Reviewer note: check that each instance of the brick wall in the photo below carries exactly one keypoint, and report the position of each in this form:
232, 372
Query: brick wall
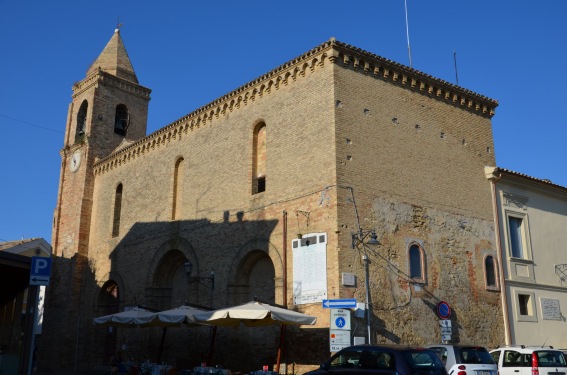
413, 164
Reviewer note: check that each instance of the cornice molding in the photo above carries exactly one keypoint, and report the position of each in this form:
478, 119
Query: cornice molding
333, 51
415, 80
100, 76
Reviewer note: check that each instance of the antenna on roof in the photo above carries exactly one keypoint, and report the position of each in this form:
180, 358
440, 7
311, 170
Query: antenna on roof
455, 60
407, 32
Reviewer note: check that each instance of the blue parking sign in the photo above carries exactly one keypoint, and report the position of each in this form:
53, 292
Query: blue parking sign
40, 271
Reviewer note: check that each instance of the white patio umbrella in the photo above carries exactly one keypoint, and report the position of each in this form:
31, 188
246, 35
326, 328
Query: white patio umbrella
139, 317
181, 315
132, 318
254, 314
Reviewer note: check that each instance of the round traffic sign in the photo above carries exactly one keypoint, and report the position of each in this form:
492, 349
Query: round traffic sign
443, 310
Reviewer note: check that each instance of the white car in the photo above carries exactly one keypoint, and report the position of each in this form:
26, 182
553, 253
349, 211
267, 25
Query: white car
465, 359
529, 360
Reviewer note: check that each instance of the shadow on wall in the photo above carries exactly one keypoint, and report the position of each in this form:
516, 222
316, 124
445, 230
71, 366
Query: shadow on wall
147, 269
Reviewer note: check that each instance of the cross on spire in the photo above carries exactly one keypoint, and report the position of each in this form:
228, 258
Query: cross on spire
118, 24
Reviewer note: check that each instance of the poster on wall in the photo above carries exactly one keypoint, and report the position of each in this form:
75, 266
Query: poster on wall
309, 268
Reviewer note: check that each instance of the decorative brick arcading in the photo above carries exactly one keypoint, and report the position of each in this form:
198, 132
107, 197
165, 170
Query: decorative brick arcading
336, 52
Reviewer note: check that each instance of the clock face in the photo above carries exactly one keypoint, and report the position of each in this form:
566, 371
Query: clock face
75, 161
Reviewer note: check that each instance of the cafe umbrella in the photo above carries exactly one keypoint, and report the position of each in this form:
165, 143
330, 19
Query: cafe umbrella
136, 317
141, 317
256, 314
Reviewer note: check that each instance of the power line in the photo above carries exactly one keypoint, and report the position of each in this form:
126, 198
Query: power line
30, 124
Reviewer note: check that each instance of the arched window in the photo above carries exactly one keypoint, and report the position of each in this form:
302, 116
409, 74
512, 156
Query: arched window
177, 183
259, 159
117, 211
416, 271
81, 122
121, 120
490, 272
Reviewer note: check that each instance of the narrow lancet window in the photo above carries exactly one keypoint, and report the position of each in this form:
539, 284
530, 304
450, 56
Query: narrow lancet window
117, 211
259, 162
177, 185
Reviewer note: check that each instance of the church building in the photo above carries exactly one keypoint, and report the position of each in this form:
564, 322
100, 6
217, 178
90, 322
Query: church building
337, 175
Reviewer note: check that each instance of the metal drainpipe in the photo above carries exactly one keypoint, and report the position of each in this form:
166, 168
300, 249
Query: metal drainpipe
503, 294
284, 247
284, 292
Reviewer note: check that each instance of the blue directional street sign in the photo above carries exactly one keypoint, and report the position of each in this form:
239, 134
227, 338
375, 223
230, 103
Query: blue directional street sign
339, 303
40, 271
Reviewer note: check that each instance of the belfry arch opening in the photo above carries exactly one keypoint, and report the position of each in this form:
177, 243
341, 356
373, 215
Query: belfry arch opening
121, 120
80, 130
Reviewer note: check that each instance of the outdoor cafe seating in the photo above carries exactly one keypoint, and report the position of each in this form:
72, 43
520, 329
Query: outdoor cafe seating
148, 368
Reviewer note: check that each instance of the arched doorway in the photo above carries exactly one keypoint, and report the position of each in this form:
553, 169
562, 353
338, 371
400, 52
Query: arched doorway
108, 303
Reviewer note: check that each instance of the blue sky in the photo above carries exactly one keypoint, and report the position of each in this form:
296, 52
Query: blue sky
191, 52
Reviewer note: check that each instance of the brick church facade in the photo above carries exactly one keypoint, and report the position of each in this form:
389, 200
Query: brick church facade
334, 144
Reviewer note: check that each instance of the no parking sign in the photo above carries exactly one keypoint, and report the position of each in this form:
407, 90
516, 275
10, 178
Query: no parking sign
443, 310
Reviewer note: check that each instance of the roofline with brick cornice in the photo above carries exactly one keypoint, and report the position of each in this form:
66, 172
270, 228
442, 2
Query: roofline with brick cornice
336, 52
122, 84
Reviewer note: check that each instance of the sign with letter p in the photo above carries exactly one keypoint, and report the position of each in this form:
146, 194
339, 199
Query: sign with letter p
40, 271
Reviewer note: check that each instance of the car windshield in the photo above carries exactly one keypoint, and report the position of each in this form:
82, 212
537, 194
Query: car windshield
418, 359
474, 354
363, 358
550, 358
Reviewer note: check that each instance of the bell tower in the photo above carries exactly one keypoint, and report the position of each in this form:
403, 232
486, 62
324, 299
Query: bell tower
108, 107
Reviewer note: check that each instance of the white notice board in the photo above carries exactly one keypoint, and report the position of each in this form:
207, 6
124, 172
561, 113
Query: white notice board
309, 268
338, 339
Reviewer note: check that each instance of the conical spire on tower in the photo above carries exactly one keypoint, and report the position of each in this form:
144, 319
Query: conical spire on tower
114, 60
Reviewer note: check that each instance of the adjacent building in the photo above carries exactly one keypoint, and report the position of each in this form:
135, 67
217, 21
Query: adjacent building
276, 187
21, 303
531, 217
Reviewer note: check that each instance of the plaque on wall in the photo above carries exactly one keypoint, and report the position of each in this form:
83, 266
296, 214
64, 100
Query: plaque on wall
550, 309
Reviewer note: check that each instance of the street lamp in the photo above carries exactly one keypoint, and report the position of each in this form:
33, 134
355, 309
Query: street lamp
188, 266
357, 241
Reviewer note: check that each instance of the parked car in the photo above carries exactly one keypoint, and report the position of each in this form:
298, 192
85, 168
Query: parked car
529, 360
382, 360
465, 359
